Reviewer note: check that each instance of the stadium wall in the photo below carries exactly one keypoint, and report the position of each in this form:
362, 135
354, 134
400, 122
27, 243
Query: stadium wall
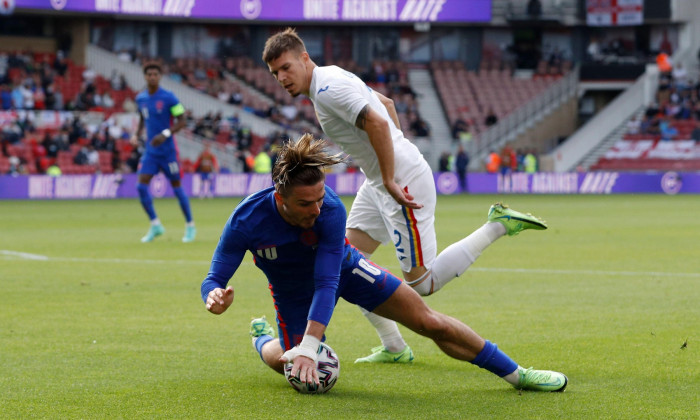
42, 187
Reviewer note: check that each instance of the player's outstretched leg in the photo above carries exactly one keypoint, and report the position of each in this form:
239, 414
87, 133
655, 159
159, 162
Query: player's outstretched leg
153, 232
513, 220
381, 355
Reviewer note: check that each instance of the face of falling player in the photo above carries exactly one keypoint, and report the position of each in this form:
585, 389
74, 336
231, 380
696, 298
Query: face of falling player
301, 205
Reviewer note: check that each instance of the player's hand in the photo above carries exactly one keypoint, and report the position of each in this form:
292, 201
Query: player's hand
134, 140
402, 197
219, 300
157, 140
304, 365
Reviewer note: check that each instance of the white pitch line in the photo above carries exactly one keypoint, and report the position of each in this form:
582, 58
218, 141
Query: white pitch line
14, 255
23, 255
587, 272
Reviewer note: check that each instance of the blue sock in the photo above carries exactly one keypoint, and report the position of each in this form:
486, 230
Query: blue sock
260, 342
146, 200
184, 203
494, 360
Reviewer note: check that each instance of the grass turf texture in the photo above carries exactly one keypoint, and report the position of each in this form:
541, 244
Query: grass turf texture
107, 327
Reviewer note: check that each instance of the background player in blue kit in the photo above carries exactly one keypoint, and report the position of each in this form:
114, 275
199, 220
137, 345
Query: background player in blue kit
296, 232
158, 108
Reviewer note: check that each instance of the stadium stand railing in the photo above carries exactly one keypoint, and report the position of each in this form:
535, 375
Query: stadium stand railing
569, 155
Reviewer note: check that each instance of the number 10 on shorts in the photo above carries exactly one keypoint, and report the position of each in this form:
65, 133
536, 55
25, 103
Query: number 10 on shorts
369, 271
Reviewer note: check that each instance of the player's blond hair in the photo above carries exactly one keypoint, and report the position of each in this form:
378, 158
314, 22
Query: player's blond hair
301, 163
281, 42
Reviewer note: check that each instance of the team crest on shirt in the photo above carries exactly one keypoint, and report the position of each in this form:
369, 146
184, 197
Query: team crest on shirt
268, 252
309, 238
159, 106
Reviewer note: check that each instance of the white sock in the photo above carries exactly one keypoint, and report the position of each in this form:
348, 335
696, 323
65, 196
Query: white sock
456, 258
189, 224
155, 222
387, 330
513, 378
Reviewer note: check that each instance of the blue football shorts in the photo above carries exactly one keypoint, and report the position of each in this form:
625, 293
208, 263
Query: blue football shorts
364, 284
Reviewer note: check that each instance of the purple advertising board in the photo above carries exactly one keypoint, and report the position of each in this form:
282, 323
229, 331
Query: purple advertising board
408, 11
40, 187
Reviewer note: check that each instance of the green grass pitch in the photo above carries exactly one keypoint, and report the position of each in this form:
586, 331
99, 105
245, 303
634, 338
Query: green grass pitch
94, 324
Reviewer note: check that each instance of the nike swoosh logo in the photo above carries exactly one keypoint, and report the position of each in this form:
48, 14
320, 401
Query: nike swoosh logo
323, 89
396, 359
504, 217
558, 382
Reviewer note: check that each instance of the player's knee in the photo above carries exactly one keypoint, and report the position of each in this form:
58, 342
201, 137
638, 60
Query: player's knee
423, 283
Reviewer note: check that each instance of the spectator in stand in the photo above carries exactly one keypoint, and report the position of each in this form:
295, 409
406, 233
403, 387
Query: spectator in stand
593, 51
263, 162
534, 9
17, 97
419, 127
60, 64
444, 163
458, 128
633, 125
81, 158
508, 159
491, 118
530, 162
6, 97
107, 101
461, 165
493, 162
206, 166
668, 132
15, 166
132, 162
93, 157
695, 134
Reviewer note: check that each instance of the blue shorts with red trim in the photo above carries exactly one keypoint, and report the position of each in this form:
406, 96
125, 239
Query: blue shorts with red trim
364, 284
168, 164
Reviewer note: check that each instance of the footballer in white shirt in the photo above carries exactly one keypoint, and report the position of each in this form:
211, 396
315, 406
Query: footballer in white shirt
397, 201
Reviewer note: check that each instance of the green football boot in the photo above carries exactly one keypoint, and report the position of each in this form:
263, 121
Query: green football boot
514, 221
153, 232
260, 326
541, 380
382, 355
190, 233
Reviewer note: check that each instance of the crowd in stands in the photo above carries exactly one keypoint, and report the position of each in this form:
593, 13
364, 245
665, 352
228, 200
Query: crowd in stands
52, 82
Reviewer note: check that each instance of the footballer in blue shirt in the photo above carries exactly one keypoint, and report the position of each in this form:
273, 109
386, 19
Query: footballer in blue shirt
296, 233
158, 109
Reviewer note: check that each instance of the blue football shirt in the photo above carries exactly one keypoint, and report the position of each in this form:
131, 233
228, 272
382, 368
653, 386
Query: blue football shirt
301, 265
157, 111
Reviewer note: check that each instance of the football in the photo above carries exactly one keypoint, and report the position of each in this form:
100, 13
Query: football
328, 367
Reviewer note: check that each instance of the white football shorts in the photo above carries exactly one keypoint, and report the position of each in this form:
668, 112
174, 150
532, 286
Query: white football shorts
411, 231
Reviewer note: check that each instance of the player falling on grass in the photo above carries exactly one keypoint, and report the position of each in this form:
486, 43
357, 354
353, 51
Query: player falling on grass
296, 233
158, 108
397, 201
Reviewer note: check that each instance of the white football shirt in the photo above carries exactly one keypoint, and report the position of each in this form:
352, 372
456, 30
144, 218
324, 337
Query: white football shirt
338, 97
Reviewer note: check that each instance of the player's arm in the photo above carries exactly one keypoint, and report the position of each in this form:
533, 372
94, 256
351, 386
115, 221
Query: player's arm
377, 129
178, 113
329, 256
390, 108
227, 257
137, 134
